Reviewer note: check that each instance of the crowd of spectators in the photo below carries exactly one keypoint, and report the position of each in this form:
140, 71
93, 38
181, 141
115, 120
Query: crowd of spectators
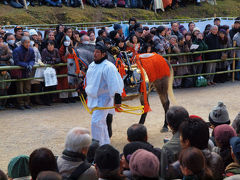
144, 4
26, 48
198, 150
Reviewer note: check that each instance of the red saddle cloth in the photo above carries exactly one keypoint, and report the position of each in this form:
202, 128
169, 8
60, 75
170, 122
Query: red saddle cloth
155, 66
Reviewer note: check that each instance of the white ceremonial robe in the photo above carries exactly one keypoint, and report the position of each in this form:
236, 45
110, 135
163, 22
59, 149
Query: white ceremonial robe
102, 82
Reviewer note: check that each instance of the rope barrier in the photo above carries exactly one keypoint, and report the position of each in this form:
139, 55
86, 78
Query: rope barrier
124, 108
168, 55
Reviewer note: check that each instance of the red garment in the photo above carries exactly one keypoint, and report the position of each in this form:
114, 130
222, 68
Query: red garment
63, 81
133, 49
155, 66
166, 3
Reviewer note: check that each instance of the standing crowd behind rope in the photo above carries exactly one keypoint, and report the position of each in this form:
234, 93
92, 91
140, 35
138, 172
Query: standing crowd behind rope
26, 48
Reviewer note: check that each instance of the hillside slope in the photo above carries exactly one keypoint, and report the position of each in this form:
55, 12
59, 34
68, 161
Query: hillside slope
49, 15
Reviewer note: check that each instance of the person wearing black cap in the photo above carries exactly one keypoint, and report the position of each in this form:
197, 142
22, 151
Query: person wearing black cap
161, 45
107, 161
104, 87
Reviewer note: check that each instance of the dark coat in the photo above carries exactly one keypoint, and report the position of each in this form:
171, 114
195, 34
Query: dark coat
212, 42
51, 57
24, 57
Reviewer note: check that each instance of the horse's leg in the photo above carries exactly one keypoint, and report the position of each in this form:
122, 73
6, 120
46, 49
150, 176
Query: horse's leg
109, 120
143, 116
161, 86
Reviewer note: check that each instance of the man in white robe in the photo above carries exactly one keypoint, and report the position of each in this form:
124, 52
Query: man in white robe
104, 87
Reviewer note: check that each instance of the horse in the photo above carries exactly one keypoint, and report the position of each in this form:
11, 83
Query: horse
163, 84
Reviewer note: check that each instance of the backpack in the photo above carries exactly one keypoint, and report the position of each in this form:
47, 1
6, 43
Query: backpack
187, 82
78, 171
201, 81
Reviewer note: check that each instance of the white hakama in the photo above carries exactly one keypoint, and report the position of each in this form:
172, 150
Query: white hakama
102, 83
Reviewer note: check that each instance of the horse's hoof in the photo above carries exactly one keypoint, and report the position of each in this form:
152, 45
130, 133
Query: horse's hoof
164, 129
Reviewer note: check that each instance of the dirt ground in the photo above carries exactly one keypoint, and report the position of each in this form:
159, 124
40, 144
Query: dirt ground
23, 131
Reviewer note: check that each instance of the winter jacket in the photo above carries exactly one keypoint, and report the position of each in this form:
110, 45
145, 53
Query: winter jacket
24, 57
214, 162
69, 161
49, 57
5, 54
170, 152
237, 39
202, 47
212, 42
161, 45
4, 85
232, 169
178, 34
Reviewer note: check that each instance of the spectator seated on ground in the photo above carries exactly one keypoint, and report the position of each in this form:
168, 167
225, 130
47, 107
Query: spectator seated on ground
137, 132
195, 133
222, 134
3, 175
193, 165
107, 163
218, 116
49, 175
72, 162
42, 159
129, 149
234, 167
175, 116
144, 165
18, 168
236, 124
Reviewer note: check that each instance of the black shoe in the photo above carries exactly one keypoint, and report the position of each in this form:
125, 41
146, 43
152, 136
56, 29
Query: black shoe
21, 108
199, 4
47, 104
72, 100
27, 107
2, 108
5, 2
65, 100
164, 129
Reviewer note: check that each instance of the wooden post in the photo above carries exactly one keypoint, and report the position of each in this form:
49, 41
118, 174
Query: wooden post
234, 61
82, 4
154, 5
25, 4
169, 51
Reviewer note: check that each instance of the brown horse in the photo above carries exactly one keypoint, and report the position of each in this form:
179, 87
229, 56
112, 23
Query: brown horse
160, 76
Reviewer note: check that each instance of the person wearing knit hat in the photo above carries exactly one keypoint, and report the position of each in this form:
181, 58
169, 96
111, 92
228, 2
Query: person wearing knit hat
222, 134
234, 167
107, 162
219, 115
18, 167
144, 164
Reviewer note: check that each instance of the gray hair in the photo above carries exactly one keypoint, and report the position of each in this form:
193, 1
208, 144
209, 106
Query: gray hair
214, 27
174, 36
77, 139
25, 38
83, 37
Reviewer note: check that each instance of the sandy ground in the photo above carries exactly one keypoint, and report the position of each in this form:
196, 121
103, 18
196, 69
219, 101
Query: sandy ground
23, 131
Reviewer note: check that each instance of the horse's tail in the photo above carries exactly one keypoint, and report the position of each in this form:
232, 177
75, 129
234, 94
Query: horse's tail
170, 86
